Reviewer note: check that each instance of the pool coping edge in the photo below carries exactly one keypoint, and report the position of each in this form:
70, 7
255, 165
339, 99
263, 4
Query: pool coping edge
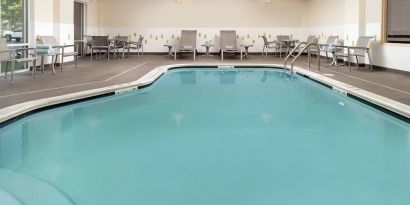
15, 111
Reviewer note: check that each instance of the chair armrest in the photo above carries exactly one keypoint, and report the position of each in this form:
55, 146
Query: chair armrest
360, 48
71, 45
34, 54
340, 46
136, 43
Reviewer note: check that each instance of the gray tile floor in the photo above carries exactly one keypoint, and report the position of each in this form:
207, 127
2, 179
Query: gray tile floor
100, 73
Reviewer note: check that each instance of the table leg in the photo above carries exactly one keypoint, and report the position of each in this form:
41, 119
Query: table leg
42, 63
52, 64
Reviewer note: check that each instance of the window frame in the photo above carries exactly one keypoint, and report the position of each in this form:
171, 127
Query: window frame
384, 27
25, 27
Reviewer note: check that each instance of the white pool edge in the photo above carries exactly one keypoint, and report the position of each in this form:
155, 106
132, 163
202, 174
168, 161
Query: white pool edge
14, 111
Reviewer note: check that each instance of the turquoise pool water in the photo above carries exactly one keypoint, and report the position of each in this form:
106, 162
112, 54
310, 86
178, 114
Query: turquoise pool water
210, 137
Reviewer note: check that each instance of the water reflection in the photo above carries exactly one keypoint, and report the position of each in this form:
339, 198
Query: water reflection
188, 78
228, 77
13, 146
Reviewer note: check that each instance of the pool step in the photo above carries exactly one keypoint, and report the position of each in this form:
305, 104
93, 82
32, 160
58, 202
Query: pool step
19, 188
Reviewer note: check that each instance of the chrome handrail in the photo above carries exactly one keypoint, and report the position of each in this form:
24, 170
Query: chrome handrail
308, 45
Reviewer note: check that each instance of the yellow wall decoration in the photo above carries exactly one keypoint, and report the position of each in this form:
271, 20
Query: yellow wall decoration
270, 35
135, 34
253, 41
247, 36
156, 38
162, 36
172, 36
177, 38
205, 36
216, 36
146, 42
199, 34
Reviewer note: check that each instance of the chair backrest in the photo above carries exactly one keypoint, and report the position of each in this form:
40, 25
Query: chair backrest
364, 42
228, 38
121, 38
140, 39
312, 39
87, 39
265, 40
48, 40
100, 41
281, 38
188, 38
331, 39
3, 47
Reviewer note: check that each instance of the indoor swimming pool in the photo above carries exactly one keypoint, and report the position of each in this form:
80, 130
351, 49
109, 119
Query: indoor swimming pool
207, 136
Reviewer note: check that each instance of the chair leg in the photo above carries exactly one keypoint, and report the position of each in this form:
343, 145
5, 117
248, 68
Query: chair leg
194, 54
327, 56
222, 55
280, 51
357, 61
42, 63
370, 61
62, 63
35, 68
53, 65
175, 54
13, 65
7, 67
263, 51
92, 51
241, 55
76, 61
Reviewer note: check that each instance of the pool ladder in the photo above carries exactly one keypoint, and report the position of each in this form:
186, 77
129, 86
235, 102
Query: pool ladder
308, 47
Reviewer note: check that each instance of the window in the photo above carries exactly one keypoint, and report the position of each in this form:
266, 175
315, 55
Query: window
13, 21
396, 22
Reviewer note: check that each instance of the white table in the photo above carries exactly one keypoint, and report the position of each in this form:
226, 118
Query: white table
247, 46
207, 46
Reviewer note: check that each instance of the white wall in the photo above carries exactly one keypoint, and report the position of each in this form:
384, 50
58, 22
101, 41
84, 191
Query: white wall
161, 21
352, 18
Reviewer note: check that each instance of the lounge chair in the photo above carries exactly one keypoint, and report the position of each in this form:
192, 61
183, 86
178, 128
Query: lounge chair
101, 44
14, 56
136, 45
60, 50
121, 42
188, 43
267, 45
325, 47
280, 44
360, 50
87, 43
312, 49
228, 43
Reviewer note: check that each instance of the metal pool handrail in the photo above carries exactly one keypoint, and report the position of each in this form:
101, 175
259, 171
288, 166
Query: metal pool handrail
307, 46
